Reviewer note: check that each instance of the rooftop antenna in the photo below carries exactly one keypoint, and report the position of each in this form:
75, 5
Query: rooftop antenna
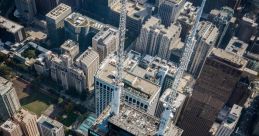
115, 106
170, 103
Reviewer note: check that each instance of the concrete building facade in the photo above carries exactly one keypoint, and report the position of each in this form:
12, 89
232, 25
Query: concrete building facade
50, 127
9, 102
10, 128
27, 9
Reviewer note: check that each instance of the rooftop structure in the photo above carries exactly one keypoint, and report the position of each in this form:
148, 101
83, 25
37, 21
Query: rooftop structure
132, 121
48, 125
232, 59
59, 12
70, 47
9, 25
10, 128
237, 46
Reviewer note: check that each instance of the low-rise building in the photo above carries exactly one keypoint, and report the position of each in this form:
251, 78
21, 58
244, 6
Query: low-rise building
50, 127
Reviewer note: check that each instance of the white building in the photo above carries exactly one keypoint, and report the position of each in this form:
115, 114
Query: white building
50, 127
10, 128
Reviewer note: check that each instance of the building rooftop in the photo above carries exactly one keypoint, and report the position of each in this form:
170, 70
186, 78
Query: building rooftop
88, 57
9, 25
233, 117
230, 58
236, 46
49, 123
106, 34
5, 85
140, 123
179, 99
78, 20
69, 45
24, 115
188, 13
208, 32
9, 125
135, 11
59, 11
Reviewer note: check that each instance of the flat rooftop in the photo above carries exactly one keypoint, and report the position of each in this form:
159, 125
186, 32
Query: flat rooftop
107, 74
78, 20
230, 58
236, 46
60, 10
88, 56
9, 125
133, 10
50, 123
208, 32
140, 123
9, 25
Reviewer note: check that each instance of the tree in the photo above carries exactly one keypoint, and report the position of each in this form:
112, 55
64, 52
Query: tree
29, 53
3, 57
5, 70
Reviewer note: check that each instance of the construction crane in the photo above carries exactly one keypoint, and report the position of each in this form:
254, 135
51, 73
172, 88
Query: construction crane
115, 106
170, 108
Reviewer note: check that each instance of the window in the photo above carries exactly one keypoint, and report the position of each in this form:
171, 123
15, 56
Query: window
130, 99
134, 101
145, 107
138, 103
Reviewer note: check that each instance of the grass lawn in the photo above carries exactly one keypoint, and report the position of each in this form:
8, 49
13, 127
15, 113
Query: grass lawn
33, 100
68, 118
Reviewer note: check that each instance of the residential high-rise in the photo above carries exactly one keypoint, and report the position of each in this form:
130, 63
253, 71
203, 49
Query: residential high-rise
55, 23
27, 9
10, 128
50, 127
155, 39
105, 42
11, 31
220, 74
27, 121
206, 39
169, 11
9, 102
81, 29
88, 61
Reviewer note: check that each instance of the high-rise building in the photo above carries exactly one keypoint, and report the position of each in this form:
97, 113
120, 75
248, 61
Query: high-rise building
50, 127
169, 11
27, 121
44, 6
55, 23
81, 29
155, 39
27, 9
225, 21
136, 16
228, 125
9, 102
130, 122
206, 39
180, 101
247, 28
187, 18
143, 78
220, 74
236, 46
88, 61
10, 128
11, 31
105, 42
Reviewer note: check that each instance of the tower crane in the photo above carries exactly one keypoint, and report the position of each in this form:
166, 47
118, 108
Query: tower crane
170, 103
115, 104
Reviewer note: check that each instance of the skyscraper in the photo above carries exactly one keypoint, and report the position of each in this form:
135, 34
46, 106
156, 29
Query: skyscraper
27, 121
9, 102
206, 39
50, 127
219, 76
10, 128
55, 23
105, 42
27, 9
169, 11
155, 39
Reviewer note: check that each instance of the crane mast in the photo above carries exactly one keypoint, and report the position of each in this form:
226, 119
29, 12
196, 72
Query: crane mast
115, 106
189, 46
